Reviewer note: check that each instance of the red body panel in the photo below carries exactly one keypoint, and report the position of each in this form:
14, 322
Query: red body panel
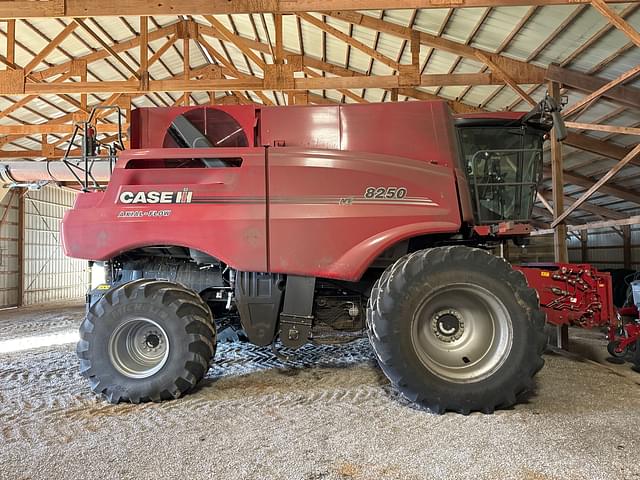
320, 224
300, 208
233, 232
415, 130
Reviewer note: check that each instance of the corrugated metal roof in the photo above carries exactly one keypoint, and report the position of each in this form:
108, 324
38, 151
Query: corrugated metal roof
550, 35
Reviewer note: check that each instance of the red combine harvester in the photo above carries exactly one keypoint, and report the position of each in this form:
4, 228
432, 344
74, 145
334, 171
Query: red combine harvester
310, 224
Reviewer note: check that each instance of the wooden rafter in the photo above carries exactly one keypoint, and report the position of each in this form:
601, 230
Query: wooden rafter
103, 53
236, 40
506, 77
604, 30
130, 44
628, 96
345, 92
635, 220
617, 20
231, 70
521, 76
594, 145
586, 207
55, 42
610, 174
607, 189
584, 102
544, 202
253, 83
106, 46
521, 72
95, 8
25, 100
503, 45
372, 52
604, 128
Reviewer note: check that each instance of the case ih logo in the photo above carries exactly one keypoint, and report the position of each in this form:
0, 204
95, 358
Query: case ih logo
183, 196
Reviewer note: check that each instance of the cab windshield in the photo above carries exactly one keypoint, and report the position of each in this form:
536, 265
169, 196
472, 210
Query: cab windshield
504, 166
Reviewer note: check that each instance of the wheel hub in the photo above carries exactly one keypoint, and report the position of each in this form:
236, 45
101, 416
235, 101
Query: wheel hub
447, 325
138, 348
462, 332
152, 341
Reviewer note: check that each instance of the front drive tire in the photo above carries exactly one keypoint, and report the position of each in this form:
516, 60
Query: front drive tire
146, 340
456, 328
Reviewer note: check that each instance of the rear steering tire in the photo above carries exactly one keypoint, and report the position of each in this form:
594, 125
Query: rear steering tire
146, 340
456, 328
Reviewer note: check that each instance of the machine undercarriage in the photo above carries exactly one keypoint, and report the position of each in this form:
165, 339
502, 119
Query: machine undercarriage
242, 307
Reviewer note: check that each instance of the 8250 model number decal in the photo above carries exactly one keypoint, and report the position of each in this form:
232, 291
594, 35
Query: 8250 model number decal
385, 192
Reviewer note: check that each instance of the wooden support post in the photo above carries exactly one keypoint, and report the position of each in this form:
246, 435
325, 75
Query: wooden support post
127, 117
83, 96
186, 55
11, 41
557, 180
415, 47
584, 246
20, 299
394, 94
279, 47
144, 53
278, 58
626, 246
560, 252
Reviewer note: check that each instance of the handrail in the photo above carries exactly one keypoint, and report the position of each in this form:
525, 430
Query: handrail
88, 148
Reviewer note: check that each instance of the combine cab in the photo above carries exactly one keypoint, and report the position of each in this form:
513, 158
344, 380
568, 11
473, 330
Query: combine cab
289, 225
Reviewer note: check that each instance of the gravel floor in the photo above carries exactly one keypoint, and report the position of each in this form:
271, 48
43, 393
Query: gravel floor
333, 416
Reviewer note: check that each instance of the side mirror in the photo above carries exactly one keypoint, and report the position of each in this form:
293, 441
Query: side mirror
546, 112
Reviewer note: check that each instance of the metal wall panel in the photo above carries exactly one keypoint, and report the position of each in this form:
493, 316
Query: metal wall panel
605, 248
48, 274
9, 272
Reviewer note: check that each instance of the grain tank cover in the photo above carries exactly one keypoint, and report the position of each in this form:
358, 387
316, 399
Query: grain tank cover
416, 130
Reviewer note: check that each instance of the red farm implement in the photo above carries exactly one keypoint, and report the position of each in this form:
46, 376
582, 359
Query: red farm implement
580, 295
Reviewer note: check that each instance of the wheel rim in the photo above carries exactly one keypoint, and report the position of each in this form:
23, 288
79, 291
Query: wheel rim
138, 348
462, 333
